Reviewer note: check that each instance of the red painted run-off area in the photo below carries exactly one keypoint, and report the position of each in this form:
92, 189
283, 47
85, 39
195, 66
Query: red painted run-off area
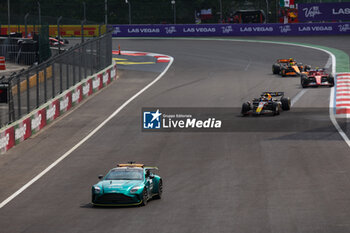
160, 59
343, 94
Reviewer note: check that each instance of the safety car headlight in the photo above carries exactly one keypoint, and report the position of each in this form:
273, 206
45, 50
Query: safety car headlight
135, 189
97, 189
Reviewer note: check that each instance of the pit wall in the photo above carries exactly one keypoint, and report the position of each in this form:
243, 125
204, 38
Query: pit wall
185, 30
33, 122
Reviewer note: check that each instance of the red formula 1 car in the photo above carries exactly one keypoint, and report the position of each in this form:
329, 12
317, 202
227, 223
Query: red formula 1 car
316, 78
54, 42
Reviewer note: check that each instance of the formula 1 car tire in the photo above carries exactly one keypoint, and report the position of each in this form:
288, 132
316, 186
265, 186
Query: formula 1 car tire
307, 67
245, 109
303, 80
331, 81
285, 103
283, 73
275, 69
275, 109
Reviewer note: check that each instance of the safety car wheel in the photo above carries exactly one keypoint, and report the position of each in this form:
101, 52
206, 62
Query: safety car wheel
144, 197
160, 190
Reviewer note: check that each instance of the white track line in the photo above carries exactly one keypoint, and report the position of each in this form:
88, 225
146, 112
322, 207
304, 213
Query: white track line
297, 97
246, 68
329, 63
2, 204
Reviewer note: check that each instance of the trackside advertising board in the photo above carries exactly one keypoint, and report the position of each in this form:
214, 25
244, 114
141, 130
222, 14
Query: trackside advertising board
66, 102
184, 30
23, 130
316, 12
7, 139
38, 120
45, 114
77, 95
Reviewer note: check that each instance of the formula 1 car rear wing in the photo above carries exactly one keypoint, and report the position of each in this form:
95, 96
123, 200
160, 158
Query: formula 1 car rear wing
273, 93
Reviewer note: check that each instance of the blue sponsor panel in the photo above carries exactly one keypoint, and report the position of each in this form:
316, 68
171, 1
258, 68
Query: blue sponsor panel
151, 120
317, 12
188, 30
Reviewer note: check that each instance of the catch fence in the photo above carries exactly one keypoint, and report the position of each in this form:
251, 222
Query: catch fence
35, 86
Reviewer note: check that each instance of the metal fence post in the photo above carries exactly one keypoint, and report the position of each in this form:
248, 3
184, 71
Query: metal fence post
82, 31
91, 60
19, 98
85, 63
8, 18
45, 85
25, 25
80, 63
37, 88
53, 77
11, 110
108, 51
28, 90
73, 68
39, 11
59, 34
98, 52
67, 75
110, 48
61, 78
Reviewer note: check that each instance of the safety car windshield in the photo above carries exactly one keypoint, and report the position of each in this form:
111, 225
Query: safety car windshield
125, 174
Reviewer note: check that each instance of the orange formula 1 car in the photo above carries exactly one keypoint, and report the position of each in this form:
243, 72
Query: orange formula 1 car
288, 67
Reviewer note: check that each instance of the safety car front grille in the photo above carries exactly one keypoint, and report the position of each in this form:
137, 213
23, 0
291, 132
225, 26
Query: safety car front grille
114, 198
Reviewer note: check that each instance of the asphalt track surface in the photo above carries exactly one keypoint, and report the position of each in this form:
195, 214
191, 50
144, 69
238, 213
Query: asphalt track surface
214, 182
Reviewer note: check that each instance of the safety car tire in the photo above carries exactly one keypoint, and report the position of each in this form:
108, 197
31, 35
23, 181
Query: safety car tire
160, 190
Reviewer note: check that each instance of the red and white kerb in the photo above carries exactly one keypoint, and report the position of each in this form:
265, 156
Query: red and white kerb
342, 102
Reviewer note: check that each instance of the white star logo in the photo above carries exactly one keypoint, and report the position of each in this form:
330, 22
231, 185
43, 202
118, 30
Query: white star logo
156, 115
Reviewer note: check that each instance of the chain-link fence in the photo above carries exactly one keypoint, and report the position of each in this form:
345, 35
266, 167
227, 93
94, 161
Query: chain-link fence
140, 11
35, 86
23, 52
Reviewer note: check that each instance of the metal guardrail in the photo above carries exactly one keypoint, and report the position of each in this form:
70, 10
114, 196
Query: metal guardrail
16, 53
37, 85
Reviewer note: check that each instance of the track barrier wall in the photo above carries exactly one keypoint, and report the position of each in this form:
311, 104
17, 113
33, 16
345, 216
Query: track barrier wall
65, 30
188, 30
33, 122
